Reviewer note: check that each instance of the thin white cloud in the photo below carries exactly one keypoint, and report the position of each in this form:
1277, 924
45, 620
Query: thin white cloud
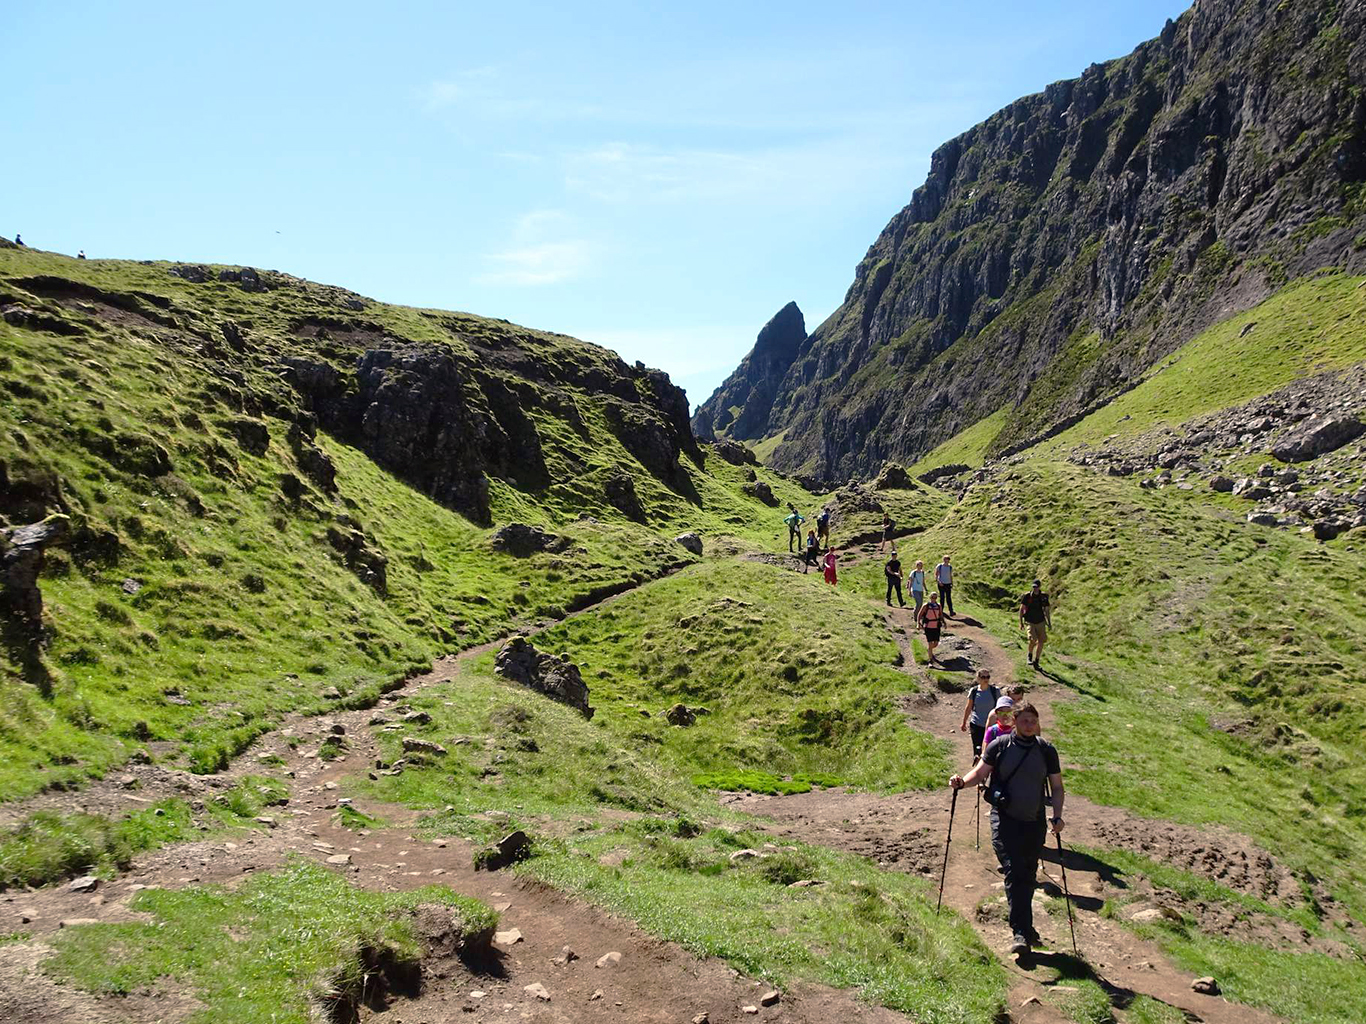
542, 251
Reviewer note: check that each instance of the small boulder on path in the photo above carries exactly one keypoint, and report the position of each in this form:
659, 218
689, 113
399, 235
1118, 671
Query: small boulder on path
691, 541
1205, 986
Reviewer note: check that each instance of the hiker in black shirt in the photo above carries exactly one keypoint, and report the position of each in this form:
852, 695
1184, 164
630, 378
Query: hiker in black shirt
1038, 619
1020, 765
893, 571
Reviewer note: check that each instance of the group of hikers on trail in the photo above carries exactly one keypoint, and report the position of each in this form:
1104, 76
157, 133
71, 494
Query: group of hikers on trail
810, 550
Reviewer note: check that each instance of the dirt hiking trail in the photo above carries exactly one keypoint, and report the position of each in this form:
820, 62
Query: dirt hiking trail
906, 831
654, 980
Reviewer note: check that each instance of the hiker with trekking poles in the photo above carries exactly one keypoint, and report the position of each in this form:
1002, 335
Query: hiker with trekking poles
1021, 773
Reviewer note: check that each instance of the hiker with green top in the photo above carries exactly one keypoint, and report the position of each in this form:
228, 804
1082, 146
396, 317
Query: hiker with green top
794, 520
981, 703
1018, 769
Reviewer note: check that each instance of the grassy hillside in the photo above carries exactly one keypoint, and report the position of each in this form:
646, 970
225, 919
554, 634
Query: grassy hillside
209, 584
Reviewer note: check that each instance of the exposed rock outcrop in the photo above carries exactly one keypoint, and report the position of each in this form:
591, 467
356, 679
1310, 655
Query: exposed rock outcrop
21, 560
754, 384
556, 677
522, 541
1060, 247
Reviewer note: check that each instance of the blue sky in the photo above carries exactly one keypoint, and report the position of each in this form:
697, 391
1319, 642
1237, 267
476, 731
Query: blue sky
659, 178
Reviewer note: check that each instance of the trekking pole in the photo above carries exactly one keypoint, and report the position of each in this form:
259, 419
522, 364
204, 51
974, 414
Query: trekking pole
979, 817
953, 805
1066, 895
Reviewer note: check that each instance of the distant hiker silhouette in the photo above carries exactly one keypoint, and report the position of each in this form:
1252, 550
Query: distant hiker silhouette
931, 619
80, 255
943, 575
888, 525
794, 520
1035, 616
893, 572
18, 239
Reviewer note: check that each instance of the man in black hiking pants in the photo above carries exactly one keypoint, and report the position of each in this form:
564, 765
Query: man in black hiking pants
1038, 619
893, 571
1018, 767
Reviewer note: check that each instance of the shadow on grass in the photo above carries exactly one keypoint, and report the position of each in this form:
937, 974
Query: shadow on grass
1071, 968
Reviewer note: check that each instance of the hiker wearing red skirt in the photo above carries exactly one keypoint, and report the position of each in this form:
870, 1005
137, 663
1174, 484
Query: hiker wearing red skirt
831, 557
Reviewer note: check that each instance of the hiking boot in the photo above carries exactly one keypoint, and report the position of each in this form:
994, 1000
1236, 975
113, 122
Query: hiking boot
1034, 938
1019, 946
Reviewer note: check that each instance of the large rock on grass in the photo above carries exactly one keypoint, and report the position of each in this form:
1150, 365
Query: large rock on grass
556, 677
21, 561
1317, 436
521, 540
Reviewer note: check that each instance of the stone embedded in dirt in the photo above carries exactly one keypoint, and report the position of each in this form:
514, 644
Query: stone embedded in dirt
417, 718
745, 854
511, 848
1221, 484
77, 922
378, 720
86, 883
770, 998
1317, 436
522, 541
701, 1018
331, 693
1261, 518
538, 990
1205, 986
266, 820
691, 541
749, 1009
567, 956
339, 858
805, 883
418, 746
609, 959
508, 938
681, 715
476, 994
597, 994
1151, 915
337, 729
556, 677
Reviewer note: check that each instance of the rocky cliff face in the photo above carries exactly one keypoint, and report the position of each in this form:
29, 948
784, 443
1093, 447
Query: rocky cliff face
753, 386
1059, 248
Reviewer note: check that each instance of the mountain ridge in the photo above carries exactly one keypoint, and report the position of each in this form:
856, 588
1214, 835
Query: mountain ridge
1059, 248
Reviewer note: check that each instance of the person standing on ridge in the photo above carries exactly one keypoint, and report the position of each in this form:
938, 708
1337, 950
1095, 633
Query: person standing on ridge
888, 525
1035, 616
831, 558
931, 619
794, 520
1018, 767
918, 585
893, 571
823, 528
943, 575
18, 239
80, 255
981, 702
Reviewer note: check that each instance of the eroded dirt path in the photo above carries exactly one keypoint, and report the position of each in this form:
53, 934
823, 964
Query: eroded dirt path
907, 831
654, 981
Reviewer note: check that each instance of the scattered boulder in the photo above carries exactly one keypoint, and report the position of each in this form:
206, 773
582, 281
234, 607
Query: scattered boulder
620, 492
734, 452
691, 541
1316, 436
21, 562
761, 490
414, 745
1251, 488
611, 959
556, 677
193, 272
1259, 517
86, 883
521, 540
770, 998
538, 990
1222, 484
1205, 986
680, 715
892, 478
511, 848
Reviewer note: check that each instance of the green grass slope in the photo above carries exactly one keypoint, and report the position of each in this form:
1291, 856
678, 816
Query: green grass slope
199, 598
